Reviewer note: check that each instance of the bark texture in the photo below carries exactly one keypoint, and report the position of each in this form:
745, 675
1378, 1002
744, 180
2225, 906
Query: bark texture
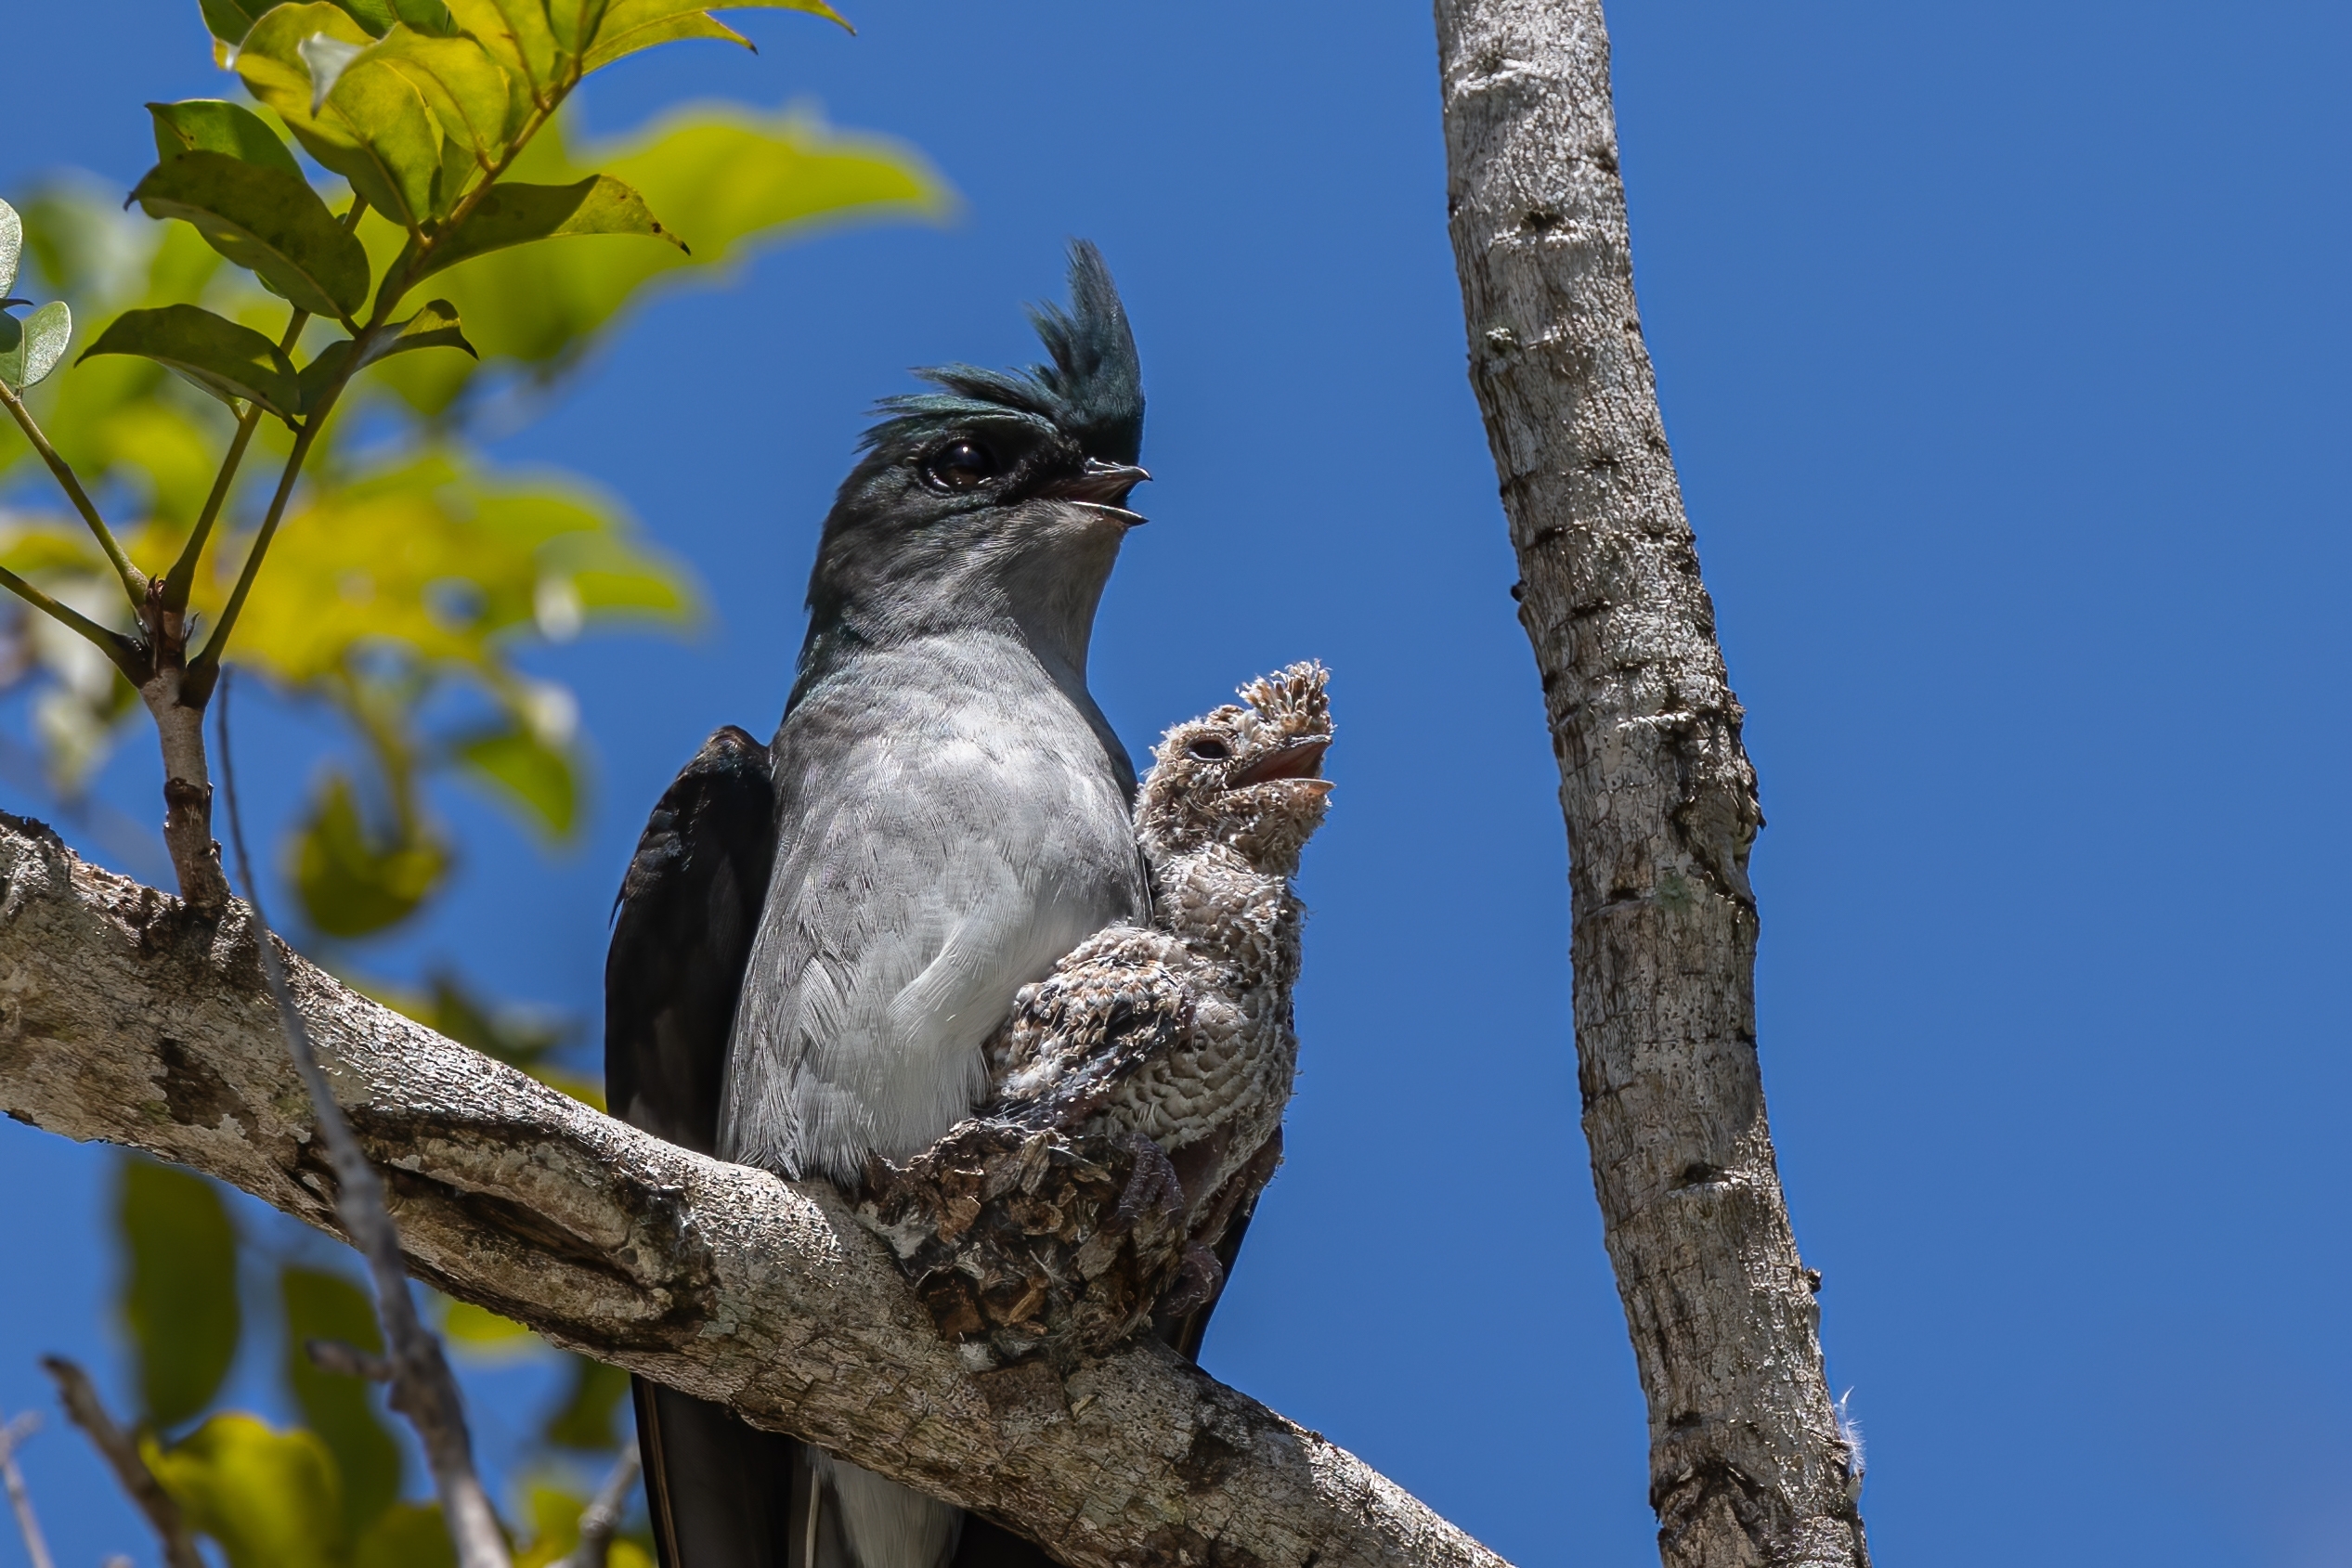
1747, 1464
126, 1019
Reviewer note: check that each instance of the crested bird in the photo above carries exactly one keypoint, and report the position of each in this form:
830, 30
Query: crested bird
946, 814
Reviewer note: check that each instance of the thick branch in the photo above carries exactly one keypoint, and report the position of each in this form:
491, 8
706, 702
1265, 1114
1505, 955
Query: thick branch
123, 1019
1747, 1463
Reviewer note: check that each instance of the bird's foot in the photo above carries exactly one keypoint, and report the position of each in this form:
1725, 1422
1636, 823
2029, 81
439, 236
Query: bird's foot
1197, 1283
1152, 1188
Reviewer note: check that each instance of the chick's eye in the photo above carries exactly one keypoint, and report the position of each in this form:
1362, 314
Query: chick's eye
960, 465
1208, 748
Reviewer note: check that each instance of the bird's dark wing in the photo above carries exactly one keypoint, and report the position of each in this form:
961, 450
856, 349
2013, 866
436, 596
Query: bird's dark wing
681, 934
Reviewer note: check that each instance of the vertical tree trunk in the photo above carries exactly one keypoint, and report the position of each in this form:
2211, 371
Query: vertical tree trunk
1748, 1462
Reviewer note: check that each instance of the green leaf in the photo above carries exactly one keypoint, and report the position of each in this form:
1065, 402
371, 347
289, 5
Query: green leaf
372, 128
575, 23
375, 16
179, 1288
227, 360
409, 1535
585, 1418
478, 1329
11, 246
527, 772
270, 223
468, 90
435, 326
732, 182
341, 1410
218, 125
516, 214
632, 25
352, 882
272, 1499
30, 349
516, 31
230, 20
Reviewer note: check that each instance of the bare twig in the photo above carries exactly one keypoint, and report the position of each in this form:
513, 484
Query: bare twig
13, 1434
346, 1360
85, 1409
602, 1515
134, 581
423, 1387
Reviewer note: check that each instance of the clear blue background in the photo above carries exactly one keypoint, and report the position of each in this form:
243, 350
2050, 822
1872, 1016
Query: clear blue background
2002, 350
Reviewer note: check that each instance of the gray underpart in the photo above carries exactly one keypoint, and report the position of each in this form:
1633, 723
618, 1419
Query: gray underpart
881, 1524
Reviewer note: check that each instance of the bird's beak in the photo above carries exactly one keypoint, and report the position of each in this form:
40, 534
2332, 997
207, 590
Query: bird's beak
1100, 483
1291, 759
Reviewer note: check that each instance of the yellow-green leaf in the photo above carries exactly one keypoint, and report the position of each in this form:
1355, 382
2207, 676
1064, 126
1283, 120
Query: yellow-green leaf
30, 349
527, 772
435, 326
632, 25
218, 125
373, 128
411, 1536
574, 23
340, 1408
267, 221
272, 1499
354, 882
230, 20
467, 88
11, 247
179, 1288
227, 360
516, 214
516, 32
586, 1418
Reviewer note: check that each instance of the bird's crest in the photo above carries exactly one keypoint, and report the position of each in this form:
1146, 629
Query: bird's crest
1092, 392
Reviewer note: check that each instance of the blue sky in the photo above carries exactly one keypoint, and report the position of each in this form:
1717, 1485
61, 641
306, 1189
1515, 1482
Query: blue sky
2000, 348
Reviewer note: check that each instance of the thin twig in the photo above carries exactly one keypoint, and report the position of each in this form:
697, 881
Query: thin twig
423, 1388
118, 648
203, 668
346, 1360
15, 1432
602, 1515
85, 1409
134, 583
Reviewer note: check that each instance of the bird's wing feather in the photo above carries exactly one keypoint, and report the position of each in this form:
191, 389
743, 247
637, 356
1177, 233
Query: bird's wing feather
681, 933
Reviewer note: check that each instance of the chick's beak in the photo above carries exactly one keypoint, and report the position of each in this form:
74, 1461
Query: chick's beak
1100, 484
1291, 759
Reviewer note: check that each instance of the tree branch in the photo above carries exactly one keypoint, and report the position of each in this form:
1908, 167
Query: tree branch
125, 1019
1746, 1461
20, 1497
83, 1407
423, 1389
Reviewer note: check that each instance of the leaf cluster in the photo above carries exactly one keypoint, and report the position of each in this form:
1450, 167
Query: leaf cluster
325, 1492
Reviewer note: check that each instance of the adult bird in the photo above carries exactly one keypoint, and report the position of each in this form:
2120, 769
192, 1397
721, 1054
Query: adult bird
815, 938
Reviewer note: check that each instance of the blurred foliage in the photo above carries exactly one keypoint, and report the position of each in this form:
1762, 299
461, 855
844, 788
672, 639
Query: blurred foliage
408, 590
179, 1288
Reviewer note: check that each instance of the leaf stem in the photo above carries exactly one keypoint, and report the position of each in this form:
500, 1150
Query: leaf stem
119, 651
180, 581
134, 583
204, 669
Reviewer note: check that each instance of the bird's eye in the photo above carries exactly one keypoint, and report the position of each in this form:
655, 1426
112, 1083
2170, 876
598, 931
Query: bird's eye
1208, 748
960, 465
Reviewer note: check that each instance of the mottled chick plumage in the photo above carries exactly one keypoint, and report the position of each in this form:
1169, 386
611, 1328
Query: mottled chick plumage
1139, 1088
1181, 1033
